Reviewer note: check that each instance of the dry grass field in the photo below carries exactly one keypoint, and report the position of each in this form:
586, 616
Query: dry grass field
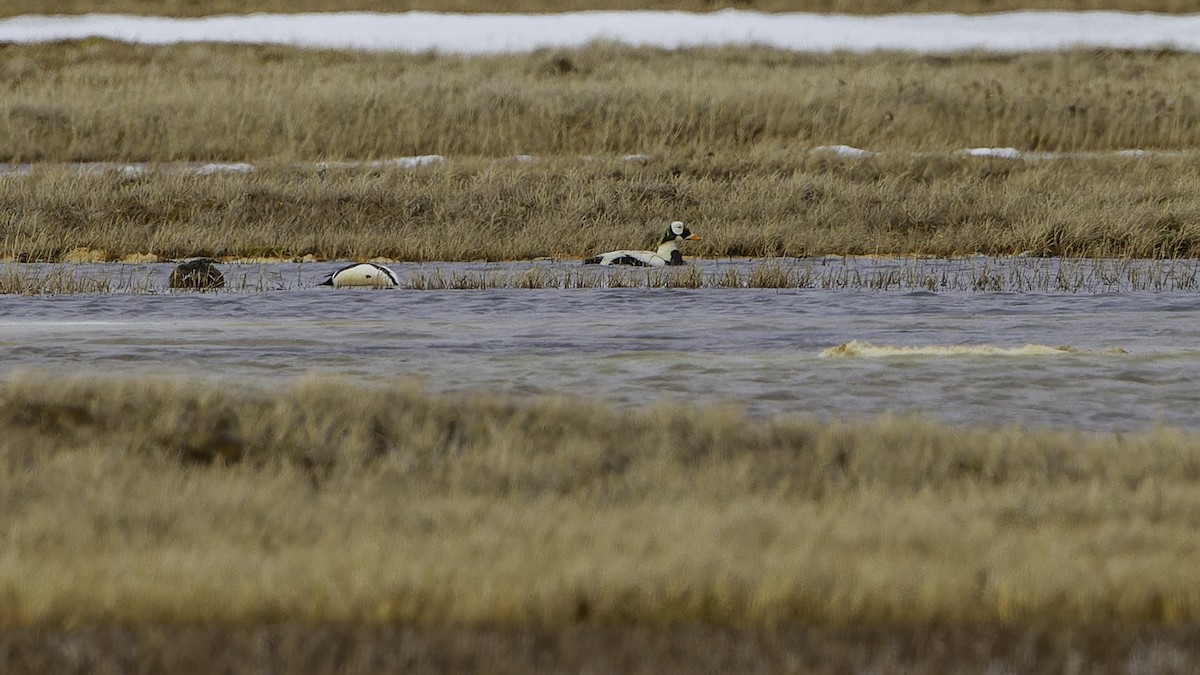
793, 204
140, 508
103, 101
724, 140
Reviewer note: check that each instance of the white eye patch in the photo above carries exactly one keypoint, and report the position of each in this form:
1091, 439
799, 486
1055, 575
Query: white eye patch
677, 227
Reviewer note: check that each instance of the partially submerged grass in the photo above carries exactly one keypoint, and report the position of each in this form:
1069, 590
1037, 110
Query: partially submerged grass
184, 501
975, 274
67, 279
55, 281
989, 275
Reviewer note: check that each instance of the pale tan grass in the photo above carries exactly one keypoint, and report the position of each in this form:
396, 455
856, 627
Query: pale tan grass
101, 101
134, 500
69, 279
775, 205
738, 165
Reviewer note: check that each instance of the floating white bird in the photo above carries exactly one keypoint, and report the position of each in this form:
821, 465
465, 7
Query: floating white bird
667, 253
368, 275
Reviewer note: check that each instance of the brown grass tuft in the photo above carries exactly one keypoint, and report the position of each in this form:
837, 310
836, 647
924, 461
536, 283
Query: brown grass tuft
471, 210
174, 501
733, 157
102, 101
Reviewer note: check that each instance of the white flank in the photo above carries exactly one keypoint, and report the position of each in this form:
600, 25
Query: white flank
364, 275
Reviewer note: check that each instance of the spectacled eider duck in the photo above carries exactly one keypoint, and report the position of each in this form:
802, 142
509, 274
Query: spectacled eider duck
667, 253
362, 275
197, 275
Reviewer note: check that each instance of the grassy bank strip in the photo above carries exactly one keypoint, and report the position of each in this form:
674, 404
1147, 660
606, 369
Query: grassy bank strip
753, 205
102, 101
987, 275
136, 279
191, 8
175, 501
351, 649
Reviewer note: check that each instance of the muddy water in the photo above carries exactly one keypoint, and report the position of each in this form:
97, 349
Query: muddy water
1103, 361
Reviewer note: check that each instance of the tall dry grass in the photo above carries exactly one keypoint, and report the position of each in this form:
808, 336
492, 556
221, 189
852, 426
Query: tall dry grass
193, 8
773, 204
179, 502
100, 101
727, 157
725, 137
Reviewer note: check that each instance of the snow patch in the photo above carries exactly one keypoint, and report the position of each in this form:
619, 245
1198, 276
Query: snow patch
1002, 153
842, 151
223, 167
417, 32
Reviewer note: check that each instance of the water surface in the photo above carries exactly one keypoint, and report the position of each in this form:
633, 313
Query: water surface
1133, 357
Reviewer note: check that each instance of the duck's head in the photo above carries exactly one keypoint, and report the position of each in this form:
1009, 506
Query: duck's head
677, 231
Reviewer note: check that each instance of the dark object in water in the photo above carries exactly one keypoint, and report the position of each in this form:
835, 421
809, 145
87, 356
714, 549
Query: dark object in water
197, 275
